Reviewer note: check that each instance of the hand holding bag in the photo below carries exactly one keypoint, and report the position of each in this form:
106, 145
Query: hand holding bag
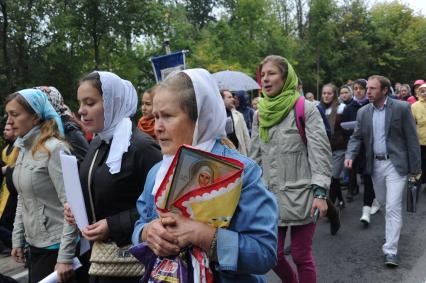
107, 259
412, 196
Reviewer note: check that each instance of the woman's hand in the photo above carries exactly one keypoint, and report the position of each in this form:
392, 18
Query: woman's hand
96, 232
188, 231
69, 217
18, 255
161, 242
321, 204
64, 271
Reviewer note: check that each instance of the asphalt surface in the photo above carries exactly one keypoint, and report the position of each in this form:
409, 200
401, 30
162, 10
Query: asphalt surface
354, 254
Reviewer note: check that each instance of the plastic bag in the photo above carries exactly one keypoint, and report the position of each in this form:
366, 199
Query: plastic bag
176, 269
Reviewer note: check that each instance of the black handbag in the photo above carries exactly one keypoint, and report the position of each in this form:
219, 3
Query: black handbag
413, 189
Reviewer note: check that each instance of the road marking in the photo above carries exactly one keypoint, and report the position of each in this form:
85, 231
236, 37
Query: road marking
20, 275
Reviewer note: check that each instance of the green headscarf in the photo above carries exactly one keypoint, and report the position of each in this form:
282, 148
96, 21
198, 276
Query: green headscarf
272, 110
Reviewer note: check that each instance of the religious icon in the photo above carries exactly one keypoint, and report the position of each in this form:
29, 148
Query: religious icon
202, 186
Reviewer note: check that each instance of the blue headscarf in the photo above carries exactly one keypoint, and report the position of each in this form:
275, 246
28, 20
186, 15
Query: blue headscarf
41, 105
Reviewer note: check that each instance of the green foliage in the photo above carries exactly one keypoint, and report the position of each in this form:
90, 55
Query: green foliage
50, 42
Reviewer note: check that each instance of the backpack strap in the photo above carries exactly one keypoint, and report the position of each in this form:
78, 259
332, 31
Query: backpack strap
299, 115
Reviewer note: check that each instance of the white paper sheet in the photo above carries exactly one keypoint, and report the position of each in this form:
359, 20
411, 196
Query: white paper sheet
53, 277
73, 189
348, 125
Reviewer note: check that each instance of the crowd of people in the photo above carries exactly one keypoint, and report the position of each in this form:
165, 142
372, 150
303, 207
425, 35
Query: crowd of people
297, 154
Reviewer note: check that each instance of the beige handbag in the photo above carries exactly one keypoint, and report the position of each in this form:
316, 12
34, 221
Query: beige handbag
107, 259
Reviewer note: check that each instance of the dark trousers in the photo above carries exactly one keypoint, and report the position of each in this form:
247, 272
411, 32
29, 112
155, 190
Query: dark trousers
42, 262
368, 190
6, 236
423, 154
7, 279
335, 190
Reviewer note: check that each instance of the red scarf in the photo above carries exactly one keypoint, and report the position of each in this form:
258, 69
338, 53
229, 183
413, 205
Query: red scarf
147, 125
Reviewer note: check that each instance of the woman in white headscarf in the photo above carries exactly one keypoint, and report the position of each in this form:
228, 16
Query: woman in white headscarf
188, 109
117, 162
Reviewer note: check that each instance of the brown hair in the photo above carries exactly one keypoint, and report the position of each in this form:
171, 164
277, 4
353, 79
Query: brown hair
278, 61
95, 80
48, 128
333, 87
384, 82
181, 85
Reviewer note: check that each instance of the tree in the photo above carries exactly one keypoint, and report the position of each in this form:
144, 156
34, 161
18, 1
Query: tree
353, 33
320, 41
199, 12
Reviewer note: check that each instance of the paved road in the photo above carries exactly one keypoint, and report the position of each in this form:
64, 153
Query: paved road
354, 254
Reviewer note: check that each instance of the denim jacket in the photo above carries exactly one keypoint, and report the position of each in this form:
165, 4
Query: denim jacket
246, 250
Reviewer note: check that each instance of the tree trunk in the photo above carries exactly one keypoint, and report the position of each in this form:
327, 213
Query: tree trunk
95, 36
318, 71
4, 43
299, 17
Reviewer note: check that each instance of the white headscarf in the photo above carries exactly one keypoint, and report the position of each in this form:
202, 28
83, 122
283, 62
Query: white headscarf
120, 102
211, 120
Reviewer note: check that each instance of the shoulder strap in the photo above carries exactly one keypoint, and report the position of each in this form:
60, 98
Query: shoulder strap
299, 115
89, 186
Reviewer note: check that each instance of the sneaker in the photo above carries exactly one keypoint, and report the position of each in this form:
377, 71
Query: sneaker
365, 217
375, 206
391, 260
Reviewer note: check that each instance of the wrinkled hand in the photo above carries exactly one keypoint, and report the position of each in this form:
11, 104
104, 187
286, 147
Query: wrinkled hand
161, 242
69, 217
321, 204
18, 255
348, 163
188, 231
65, 271
96, 232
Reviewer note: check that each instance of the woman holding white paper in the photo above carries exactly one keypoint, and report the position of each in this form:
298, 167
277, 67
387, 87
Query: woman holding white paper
37, 176
117, 162
188, 109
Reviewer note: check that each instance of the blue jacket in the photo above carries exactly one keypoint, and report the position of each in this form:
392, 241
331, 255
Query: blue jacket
246, 250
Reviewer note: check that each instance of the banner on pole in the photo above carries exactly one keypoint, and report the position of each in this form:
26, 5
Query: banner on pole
166, 64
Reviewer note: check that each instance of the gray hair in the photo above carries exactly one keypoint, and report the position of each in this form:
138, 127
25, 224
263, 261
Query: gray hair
181, 85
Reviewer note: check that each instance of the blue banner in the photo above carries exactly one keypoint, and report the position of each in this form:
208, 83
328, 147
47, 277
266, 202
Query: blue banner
166, 64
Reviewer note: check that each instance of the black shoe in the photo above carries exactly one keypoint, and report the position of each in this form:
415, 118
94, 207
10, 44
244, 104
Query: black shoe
287, 250
335, 223
349, 197
391, 260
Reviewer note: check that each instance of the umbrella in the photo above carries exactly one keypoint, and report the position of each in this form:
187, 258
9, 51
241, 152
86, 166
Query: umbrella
234, 80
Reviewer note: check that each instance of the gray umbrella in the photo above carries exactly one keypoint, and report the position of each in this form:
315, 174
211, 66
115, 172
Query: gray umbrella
234, 80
